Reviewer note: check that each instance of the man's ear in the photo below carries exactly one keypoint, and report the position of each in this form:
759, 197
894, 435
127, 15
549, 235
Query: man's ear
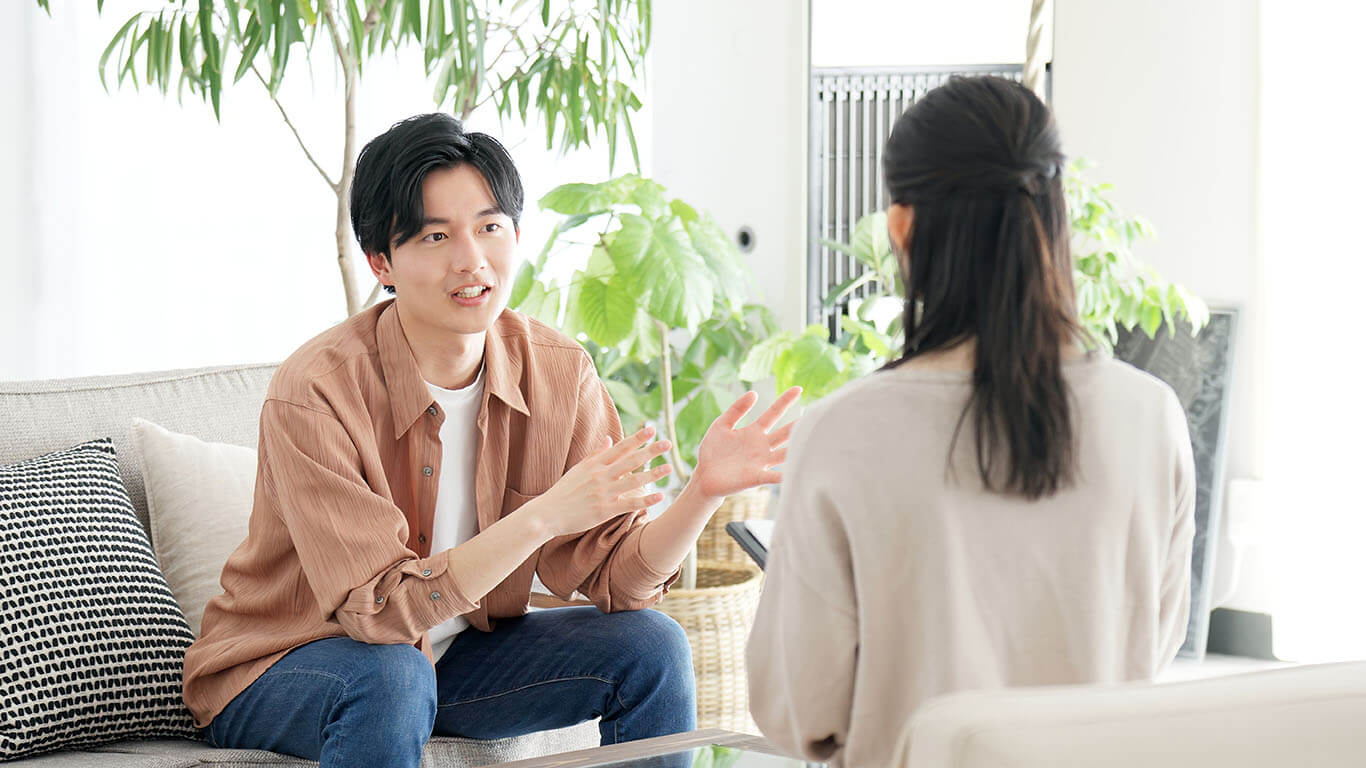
900, 222
380, 266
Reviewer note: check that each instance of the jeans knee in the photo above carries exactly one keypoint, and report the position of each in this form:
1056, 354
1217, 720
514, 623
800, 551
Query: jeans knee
396, 679
659, 642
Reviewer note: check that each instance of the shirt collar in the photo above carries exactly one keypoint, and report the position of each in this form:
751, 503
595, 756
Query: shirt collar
408, 393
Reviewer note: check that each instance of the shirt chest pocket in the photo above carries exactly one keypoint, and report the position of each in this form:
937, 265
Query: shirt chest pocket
513, 500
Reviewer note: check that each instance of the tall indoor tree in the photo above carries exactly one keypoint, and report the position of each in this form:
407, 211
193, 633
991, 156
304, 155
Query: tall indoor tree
572, 61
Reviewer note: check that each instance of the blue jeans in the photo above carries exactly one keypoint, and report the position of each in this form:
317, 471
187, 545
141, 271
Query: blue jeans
346, 703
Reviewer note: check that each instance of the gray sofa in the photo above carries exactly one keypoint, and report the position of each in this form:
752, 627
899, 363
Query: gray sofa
221, 405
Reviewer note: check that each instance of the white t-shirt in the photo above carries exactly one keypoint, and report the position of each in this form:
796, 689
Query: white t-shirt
456, 518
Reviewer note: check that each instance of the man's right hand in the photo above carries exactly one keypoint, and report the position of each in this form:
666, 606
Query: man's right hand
601, 487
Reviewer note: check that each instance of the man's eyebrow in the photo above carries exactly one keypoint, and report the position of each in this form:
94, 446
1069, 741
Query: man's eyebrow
430, 220
492, 211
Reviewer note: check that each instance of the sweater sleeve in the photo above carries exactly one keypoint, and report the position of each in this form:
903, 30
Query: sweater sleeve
1174, 610
803, 650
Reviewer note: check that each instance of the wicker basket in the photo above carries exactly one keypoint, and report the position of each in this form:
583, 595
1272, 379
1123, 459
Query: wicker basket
715, 545
717, 617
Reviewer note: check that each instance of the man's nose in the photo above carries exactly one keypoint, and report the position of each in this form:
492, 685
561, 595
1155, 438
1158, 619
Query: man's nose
466, 255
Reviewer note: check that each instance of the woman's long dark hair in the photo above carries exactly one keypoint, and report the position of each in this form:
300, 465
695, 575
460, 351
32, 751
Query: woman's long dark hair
979, 161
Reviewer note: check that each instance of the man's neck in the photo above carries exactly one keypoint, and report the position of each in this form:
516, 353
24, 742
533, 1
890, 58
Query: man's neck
448, 360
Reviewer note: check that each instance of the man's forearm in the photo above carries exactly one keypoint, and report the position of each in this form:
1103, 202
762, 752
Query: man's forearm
480, 564
668, 538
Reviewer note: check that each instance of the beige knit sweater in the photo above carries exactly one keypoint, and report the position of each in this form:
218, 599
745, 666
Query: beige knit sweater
893, 578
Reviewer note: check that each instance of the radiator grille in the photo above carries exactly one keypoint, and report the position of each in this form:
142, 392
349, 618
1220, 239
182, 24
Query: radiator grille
852, 112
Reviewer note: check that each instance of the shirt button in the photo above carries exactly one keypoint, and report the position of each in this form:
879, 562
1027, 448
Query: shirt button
427, 471
422, 538
426, 571
436, 595
380, 600
431, 410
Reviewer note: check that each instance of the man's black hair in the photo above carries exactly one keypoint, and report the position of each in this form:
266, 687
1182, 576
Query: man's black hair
386, 192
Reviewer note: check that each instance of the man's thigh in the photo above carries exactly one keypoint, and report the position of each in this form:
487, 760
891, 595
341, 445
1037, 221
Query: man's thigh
286, 708
548, 669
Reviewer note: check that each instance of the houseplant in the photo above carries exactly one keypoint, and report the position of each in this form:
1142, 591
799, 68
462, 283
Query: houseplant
571, 62
657, 295
1113, 288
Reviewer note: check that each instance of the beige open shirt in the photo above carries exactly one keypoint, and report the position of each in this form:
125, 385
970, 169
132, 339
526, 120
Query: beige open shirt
349, 466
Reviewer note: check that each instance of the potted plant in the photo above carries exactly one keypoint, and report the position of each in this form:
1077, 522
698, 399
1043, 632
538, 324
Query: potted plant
658, 297
571, 63
1114, 290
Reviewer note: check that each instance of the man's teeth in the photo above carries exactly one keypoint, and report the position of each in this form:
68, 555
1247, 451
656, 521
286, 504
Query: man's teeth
471, 292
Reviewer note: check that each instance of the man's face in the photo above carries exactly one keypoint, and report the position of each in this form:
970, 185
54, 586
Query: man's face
456, 273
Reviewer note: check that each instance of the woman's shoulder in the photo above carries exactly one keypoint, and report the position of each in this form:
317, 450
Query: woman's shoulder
1114, 381
885, 403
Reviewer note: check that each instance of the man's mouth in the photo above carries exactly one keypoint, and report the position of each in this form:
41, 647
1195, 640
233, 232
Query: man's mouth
471, 291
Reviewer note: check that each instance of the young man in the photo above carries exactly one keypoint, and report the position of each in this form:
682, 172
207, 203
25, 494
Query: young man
419, 463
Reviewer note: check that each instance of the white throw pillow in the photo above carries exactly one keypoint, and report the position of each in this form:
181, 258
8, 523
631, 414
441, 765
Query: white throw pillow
199, 497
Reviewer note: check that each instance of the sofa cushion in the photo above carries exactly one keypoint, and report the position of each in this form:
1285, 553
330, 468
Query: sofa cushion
199, 498
1298, 716
91, 637
440, 752
220, 404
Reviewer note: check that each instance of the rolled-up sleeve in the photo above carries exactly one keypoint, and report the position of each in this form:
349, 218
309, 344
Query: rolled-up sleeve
350, 540
603, 563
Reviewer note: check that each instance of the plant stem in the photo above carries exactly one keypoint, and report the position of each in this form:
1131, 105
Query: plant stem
347, 54
688, 578
300, 139
681, 470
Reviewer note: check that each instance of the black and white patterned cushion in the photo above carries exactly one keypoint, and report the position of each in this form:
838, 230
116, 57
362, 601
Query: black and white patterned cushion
92, 642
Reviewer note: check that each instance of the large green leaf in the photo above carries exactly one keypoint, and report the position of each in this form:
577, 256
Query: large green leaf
694, 419
607, 311
872, 247
671, 277
644, 346
811, 363
627, 246
571, 199
628, 404
521, 286
728, 272
542, 303
763, 357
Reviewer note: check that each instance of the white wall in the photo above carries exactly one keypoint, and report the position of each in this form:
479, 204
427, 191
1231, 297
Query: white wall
883, 33
1312, 199
15, 181
153, 237
730, 84
1162, 97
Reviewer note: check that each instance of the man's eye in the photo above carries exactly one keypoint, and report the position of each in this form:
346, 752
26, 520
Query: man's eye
435, 237
492, 227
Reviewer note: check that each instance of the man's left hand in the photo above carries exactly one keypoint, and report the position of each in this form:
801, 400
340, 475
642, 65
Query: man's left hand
731, 459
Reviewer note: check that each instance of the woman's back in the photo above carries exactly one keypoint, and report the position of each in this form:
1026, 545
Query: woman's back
896, 575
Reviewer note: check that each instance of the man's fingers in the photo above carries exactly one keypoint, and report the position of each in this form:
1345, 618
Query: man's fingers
779, 438
775, 412
637, 480
737, 410
638, 458
770, 478
626, 444
632, 503
777, 457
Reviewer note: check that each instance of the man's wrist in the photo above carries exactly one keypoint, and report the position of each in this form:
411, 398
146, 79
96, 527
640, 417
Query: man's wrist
693, 495
532, 521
